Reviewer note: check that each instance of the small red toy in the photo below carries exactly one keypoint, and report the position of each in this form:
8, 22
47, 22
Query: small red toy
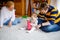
29, 25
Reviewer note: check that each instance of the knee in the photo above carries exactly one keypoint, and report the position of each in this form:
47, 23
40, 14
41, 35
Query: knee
14, 23
58, 23
50, 28
46, 29
18, 20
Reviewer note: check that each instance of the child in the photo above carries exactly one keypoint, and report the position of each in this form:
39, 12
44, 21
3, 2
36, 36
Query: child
33, 22
34, 7
8, 15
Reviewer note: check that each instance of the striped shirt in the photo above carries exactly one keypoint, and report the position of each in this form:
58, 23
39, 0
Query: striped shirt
53, 16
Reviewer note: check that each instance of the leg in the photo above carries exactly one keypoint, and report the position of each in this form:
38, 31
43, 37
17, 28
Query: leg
7, 22
16, 21
58, 23
40, 21
51, 28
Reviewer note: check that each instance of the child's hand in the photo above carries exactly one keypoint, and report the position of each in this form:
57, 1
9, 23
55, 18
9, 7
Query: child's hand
38, 26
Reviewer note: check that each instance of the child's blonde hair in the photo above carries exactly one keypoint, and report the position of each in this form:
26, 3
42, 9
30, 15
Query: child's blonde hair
34, 14
9, 3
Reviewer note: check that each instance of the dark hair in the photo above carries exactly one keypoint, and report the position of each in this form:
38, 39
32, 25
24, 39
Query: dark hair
36, 2
43, 5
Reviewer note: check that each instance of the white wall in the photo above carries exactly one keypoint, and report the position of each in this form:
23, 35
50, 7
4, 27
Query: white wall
54, 3
58, 5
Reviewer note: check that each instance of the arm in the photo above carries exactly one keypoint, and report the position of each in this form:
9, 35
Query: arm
53, 15
12, 18
2, 18
46, 23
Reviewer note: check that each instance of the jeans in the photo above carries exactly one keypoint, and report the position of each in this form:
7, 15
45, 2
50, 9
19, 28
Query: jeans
49, 28
16, 21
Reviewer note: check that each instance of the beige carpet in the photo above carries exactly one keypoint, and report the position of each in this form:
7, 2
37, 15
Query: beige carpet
14, 33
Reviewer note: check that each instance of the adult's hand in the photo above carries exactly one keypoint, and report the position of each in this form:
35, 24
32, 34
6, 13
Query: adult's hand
46, 23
